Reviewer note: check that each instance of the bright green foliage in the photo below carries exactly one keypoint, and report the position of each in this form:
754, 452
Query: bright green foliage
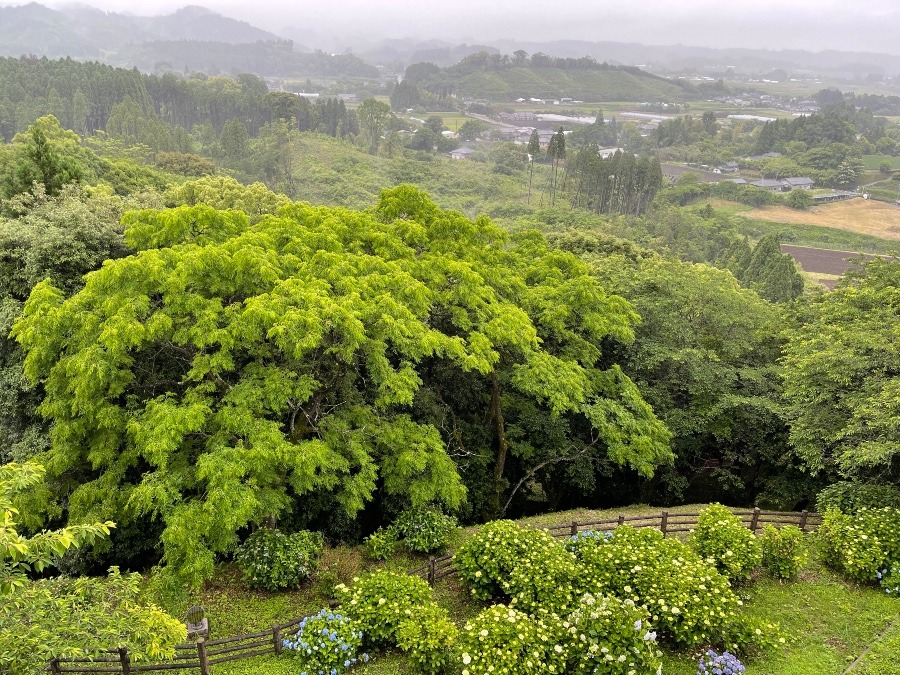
273, 560
424, 529
21, 555
863, 544
379, 602
211, 385
840, 377
720, 537
686, 597
784, 551
505, 641
603, 629
325, 642
382, 543
428, 638
79, 618
224, 192
849, 497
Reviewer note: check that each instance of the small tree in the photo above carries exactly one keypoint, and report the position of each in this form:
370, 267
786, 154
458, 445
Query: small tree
534, 147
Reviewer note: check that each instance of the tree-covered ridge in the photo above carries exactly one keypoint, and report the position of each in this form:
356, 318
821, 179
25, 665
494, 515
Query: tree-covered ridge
211, 382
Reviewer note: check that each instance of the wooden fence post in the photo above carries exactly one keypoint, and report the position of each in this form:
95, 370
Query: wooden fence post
276, 638
125, 660
431, 571
574, 529
664, 522
621, 520
803, 516
201, 655
754, 521
54, 666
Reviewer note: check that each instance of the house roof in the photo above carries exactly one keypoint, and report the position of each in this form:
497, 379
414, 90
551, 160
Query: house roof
767, 183
799, 180
462, 151
739, 181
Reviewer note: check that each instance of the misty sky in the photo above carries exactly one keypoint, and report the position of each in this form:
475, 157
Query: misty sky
863, 25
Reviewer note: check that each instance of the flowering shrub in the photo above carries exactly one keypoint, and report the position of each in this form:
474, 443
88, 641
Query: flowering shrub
685, 596
861, 545
720, 536
381, 543
424, 530
273, 560
588, 535
712, 663
505, 641
379, 602
608, 636
784, 551
428, 637
889, 578
849, 497
527, 565
326, 643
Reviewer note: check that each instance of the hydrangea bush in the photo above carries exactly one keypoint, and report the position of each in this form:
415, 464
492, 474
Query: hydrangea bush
784, 551
272, 560
504, 641
889, 578
428, 637
684, 595
712, 663
608, 636
528, 566
863, 544
424, 529
326, 644
720, 536
379, 602
382, 543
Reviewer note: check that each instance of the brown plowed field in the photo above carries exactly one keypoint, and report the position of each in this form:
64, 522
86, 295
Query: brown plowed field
823, 261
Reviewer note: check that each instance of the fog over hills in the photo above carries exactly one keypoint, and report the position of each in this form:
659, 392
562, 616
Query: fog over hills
88, 32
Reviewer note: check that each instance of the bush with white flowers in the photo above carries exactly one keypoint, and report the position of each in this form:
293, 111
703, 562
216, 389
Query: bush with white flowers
428, 637
784, 551
719, 536
608, 636
863, 544
377, 603
504, 641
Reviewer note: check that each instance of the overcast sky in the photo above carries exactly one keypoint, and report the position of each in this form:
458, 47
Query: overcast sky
861, 25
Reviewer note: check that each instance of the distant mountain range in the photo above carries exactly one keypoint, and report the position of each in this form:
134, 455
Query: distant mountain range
82, 32
85, 32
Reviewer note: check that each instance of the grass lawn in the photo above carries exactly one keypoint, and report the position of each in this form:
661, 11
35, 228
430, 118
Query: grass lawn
874, 162
828, 622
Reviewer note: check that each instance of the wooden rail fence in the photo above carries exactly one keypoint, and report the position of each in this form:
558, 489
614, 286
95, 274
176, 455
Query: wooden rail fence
204, 654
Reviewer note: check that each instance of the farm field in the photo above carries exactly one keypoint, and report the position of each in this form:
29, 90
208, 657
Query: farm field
874, 162
829, 623
855, 215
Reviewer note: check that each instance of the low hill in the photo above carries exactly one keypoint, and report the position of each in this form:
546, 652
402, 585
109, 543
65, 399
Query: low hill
587, 85
498, 77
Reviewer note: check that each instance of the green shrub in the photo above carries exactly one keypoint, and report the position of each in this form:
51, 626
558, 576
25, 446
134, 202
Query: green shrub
424, 529
719, 536
602, 630
685, 595
784, 551
487, 559
863, 544
382, 543
528, 566
505, 641
272, 560
428, 637
849, 497
380, 601
326, 643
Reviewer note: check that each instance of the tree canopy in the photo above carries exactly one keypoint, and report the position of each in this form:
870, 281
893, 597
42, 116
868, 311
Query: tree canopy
225, 370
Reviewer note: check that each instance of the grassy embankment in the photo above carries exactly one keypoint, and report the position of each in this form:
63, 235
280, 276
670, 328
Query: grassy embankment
829, 623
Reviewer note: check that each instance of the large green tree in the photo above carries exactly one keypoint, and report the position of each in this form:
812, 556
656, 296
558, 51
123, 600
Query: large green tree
223, 372
842, 377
